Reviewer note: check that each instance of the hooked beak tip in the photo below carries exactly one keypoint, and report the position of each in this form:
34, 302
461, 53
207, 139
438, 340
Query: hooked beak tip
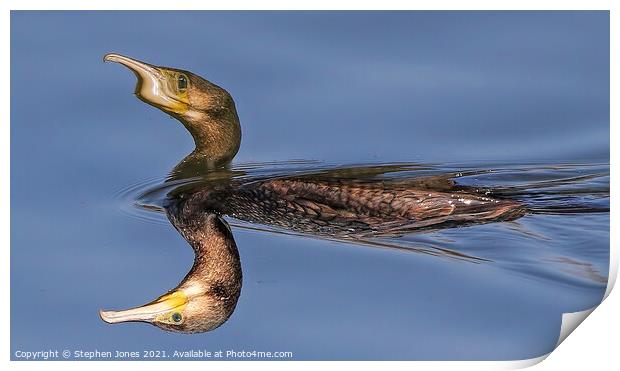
106, 316
110, 57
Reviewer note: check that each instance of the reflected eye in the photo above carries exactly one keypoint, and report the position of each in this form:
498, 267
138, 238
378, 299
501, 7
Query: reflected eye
176, 317
182, 82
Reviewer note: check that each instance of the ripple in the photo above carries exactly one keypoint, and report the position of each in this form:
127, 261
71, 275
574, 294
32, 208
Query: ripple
129, 201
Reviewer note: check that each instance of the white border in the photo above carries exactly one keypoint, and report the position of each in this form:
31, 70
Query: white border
594, 347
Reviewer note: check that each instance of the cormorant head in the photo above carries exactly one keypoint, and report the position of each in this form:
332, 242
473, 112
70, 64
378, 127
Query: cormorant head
208, 294
205, 109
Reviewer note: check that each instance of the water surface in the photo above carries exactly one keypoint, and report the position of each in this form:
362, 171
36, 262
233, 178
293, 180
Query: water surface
518, 103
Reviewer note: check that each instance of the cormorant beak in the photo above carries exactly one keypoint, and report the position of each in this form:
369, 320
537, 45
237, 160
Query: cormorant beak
156, 310
156, 85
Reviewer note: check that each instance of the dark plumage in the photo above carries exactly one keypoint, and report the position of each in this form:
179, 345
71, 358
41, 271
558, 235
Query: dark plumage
341, 208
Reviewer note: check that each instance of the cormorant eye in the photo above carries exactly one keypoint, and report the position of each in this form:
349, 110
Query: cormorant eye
182, 82
176, 317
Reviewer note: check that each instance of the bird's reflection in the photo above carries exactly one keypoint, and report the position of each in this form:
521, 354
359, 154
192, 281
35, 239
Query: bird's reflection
208, 294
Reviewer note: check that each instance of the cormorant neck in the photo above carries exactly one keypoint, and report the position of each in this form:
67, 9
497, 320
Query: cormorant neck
217, 267
216, 133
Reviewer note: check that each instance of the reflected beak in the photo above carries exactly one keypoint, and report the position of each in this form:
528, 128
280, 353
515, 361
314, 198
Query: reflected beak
153, 85
161, 307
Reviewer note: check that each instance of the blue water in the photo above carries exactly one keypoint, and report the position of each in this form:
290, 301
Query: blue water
521, 96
